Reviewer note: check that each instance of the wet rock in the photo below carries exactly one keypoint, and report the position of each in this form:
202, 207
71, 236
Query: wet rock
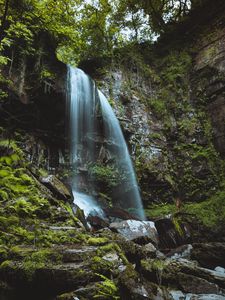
149, 250
79, 254
50, 279
183, 251
178, 295
87, 292
209, 255
63, 228
79, 213
117, 214
220, 270
57, 187
96, 222
183, 273
131, 286
172, 233
205, 297
138, 231
196, 285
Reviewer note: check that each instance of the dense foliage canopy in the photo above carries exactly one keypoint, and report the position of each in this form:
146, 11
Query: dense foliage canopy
82, 29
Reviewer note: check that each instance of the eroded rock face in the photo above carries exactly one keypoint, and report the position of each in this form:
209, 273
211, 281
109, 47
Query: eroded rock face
211, 57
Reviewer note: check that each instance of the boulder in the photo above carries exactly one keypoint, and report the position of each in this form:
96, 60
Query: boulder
196, 285
131, 287
57, 187
141, 232
183, 274
183, 251
178, 295
209, 255
172, 232
96, 222
48, 280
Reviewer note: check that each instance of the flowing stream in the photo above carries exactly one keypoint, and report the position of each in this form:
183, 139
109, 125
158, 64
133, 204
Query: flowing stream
96, 139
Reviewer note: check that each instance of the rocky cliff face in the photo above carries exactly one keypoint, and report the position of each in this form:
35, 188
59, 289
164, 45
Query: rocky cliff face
210, 64
170, 104
35, 101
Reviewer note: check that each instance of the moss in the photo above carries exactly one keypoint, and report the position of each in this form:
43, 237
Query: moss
113, 247
4, 173
11, 145
160, 210
26, 179
153, 264
106, 289
210, 212
96, 241
177, 224
6, 264
3, 195
100, 265
3, 253
36, 260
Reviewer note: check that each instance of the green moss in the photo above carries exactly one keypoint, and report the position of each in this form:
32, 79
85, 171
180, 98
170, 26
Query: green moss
6, 264
105, 175
112, 247
3, 253
4, 173
100, 265
3, 195
11, 145
26, 179
23, 207
160, 210
177, 224
97, 241
106, 289
153, 264
210, 212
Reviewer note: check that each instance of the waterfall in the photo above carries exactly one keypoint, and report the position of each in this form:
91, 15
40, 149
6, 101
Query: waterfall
96, 139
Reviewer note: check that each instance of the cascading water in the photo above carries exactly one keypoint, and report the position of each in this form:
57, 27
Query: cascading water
94, 129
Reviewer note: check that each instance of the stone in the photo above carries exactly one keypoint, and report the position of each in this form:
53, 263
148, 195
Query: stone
169, 235
149, 250
96, 222
196, 285
139, 231
131, 286
63, 228
209, 255
78, 254
178, 295
56, 187
205, 297
49, 280
220, 270
183, 251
